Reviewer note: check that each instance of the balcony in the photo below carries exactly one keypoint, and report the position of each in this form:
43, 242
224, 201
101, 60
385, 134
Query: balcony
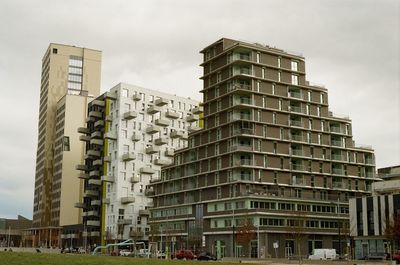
96, 182
79, 205
124, 221
127, 199
193, 128
152, 150
110, 136
240, 56
92, 223
83, 130
172, 114
161, 102
94, 234
107, 178
297, 137
99, 123
162, 162
96, 142
96, 134
336, 143
192, 118
337, 157
297, 167
135, 179
137, 97
147, 170
297, 152
130, 115
107, 159
296, 123
94, 173
169, 152
298, 182
95, 114
91, 193
128, 157
336, 129
296, 109
144, 212
243, 131
294, 94
136, 137
153, 110
81, 167
337, 185
197, 110
369, 161
242, 71
110, 95
83, 176
337, 171
240, 116
91, 213
151, 129
240, 86
99, 103
369, 174
93, 153
244, 162
161, 141
149, 192
84, 138
95, 203
242, 101
246, 148
176, 134
162, 122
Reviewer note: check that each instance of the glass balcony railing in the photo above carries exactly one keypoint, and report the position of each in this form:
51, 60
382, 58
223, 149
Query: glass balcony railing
239, 116
296, 123
244, 162
369, 174
337, 157
337, 171
241, 148
242, 86
336, 129
369, 161
297, 167
296, 137
297, 152
242, 131
294, 94
337, 185
336, 143
242, 71
239, 56
240, 101
297, 109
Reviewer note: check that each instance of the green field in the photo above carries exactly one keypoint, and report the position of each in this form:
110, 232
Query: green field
15, 258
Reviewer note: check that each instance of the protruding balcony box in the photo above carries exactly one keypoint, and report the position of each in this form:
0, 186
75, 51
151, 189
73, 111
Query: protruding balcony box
96, 134
99, 123
109, 118
197, 110
185, 136
176, 134
149, 192
107, 178
124, 221
135, 179
93, 153
161, 141
127, 199
110, 136
110, 95
95, 114
98, 162
94, 173
151, 129
97, 102
83, 130
83, 176
154, 180
96, 141
152, 150
130, 115
153, 110
92, 213
106, 200
150, 204
91, 193
95, 203
137, 97
81, 167
79, 205
144, 212
96, 182
90, 119
147, 170
169, 152
136, 137
128, 157
84, 138
92, 223
193, 128
94, 234
162, 162
162, 122
172, 114
238, 147
107, 159
192, 118
161, 102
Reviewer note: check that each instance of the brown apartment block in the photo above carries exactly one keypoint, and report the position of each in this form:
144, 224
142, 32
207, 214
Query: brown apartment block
69, 75
271, 157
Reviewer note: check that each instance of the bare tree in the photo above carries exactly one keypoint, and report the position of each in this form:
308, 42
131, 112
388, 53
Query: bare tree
392, 231
246, 232
296, 230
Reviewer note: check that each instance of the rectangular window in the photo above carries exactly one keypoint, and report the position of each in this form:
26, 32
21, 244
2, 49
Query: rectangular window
263, 73
258, 55
125, 92
294, 66
295, 80
66, 146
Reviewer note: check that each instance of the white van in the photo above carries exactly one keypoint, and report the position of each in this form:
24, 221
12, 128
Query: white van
323, 254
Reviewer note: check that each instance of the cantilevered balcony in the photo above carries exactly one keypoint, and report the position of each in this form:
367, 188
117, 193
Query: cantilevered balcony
162, 122
106, 200
197, 110
94, 234
96, 102
81, 167
161, 141
96, 141
83, 176
162, 162
135, 179
96, 182
242, 71
169, 152
153, 110
297, 109
107, 159
243, 131
84, 138
144, 212
127, 199
192, 118
91, 193
241, 147
151, 129
296, 122
147, 170
149, 192
242, 101
152, 150
94, 173
176, 134
124, 221
110, 136
96, 135
137, 97
136, 137
95, 202
244, 162
91, 213
109, 118
83, 130
95, 114
93, 153
79, 205
110, 95
99, 123
92, 223
130, 115
107, 178
193, 128
172, 114
161, 102
97, 162
128, 157
295, 92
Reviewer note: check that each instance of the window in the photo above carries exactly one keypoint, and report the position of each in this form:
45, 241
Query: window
279, 76
295, 80
273, 89
321, 98
258, 55
294, 66
309, 95
125, 149
279, 62
274, 118
66, 146
263, 73
125, 92
55, 51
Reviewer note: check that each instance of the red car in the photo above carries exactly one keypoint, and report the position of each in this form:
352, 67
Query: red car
396, 257
185, 254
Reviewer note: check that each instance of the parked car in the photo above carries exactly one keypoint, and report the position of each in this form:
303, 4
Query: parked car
125, 253
206, 256
323, 254
185, 254
160, 255
377, 256
396, 256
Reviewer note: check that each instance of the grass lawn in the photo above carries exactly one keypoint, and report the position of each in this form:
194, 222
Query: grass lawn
15, 258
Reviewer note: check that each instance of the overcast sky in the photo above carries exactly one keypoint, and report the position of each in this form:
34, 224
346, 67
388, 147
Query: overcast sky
351, 47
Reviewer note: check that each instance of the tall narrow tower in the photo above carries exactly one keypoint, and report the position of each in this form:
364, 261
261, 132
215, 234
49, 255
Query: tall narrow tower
67, 71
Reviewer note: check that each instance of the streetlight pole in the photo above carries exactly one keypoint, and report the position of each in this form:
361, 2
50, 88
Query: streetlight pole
339, 223
258, 241
233, 230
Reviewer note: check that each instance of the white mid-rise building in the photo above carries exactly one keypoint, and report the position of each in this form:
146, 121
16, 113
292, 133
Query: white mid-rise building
131, 133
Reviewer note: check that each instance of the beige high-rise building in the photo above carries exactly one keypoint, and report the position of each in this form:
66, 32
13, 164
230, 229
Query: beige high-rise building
69, 75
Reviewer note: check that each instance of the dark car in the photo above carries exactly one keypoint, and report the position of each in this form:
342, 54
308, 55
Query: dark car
185, 254
206, 256
377, 256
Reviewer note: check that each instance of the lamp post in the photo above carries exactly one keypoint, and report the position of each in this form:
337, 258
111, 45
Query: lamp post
233, 230
258, 241
339, 223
